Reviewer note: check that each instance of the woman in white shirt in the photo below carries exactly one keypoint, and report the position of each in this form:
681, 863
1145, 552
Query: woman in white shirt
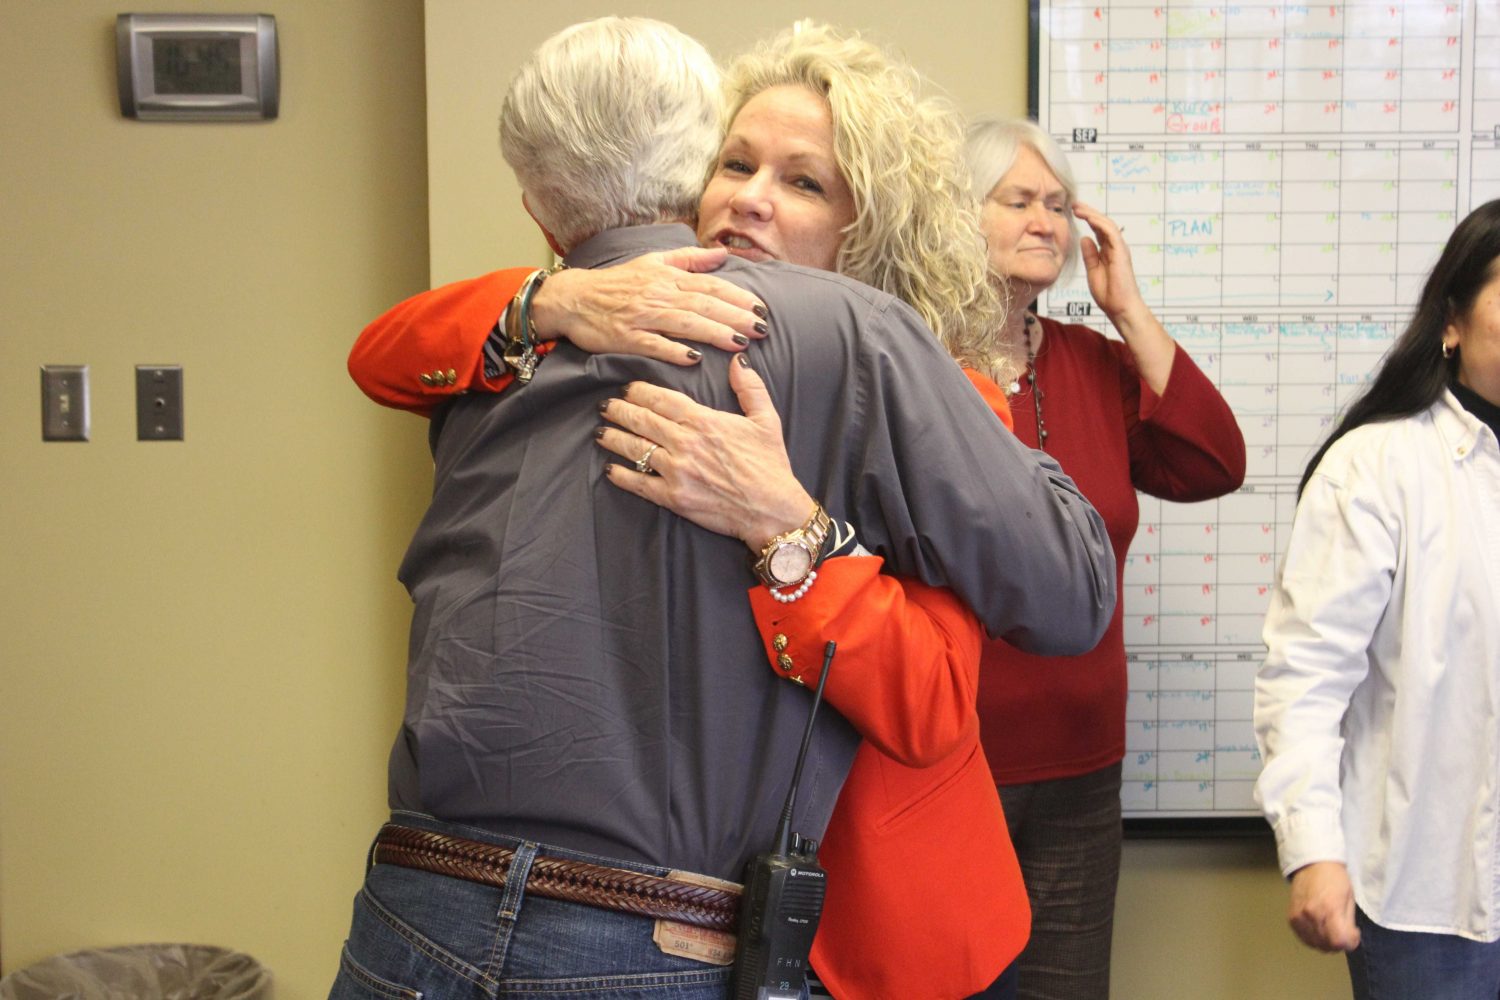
1378, 707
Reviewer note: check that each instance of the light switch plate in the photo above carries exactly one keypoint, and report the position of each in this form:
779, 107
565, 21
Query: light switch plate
65, 402
158, 402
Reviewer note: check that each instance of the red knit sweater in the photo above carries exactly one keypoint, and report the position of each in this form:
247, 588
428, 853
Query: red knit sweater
1044, 717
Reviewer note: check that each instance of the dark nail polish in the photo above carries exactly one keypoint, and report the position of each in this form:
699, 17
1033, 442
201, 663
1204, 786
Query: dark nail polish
604, 406
759, 310
598, 432
743, 359
762, 329
694, 355
741, 339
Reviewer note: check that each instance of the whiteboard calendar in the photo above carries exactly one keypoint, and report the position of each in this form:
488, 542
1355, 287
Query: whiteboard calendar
1286, 175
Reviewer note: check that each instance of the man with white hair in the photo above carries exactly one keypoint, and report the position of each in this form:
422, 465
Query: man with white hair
592, 742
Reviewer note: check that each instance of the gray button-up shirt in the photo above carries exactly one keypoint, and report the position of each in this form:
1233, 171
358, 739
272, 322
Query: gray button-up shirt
584, 667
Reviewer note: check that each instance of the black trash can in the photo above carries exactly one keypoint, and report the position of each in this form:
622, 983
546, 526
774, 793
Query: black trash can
142, 972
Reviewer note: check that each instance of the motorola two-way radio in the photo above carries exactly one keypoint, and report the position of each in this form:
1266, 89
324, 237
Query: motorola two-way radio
783, 897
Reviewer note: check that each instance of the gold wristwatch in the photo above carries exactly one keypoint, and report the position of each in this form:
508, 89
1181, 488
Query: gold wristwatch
786, 559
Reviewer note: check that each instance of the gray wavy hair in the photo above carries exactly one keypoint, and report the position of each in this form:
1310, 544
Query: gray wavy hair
916, 231
611, 123
992, 147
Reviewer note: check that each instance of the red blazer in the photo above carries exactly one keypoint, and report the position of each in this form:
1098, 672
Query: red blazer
905, 675
432, 334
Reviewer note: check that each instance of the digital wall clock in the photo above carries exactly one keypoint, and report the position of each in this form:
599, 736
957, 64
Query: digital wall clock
197, 67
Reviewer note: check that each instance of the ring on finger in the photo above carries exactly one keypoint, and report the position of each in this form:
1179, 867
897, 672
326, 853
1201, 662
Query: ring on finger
643, 464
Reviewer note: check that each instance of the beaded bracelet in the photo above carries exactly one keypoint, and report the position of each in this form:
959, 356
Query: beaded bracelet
801, 589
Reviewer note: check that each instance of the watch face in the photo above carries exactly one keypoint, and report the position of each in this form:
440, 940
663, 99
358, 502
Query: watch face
789, 563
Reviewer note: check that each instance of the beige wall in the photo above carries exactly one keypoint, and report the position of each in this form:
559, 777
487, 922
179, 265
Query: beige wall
1196, 920
202, 645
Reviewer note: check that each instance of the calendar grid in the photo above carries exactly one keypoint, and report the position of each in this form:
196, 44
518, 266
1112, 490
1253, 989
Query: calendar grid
1286, 175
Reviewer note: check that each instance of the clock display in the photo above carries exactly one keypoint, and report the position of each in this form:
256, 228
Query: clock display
196, 65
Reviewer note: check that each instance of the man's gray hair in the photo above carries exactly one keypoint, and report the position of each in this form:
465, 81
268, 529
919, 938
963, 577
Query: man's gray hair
610, 123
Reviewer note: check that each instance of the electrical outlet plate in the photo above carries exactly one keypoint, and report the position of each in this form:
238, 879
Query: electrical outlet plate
158, 402
65, 402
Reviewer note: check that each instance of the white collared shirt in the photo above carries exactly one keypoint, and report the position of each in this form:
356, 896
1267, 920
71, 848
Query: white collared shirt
1378, 707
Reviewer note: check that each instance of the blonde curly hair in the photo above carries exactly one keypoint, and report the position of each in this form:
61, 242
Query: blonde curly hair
915, 233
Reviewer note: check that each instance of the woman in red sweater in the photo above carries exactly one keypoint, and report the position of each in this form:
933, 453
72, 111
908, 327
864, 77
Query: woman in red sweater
1119, 415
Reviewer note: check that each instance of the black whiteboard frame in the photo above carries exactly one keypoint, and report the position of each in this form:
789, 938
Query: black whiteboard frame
1140, 827
1034, 61
1195, 827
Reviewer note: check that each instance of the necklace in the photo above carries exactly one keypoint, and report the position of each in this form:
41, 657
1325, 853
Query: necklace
1036, 390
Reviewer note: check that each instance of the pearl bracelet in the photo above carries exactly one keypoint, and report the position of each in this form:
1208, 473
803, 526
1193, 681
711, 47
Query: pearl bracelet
802, 589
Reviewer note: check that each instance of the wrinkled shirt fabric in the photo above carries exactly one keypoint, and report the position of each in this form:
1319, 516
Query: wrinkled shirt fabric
584, 669
1378, 707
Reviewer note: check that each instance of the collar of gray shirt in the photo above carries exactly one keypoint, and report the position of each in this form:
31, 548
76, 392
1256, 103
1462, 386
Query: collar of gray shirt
614, 245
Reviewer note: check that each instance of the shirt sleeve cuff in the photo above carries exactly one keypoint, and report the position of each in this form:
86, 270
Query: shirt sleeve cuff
494, 348
1304, 838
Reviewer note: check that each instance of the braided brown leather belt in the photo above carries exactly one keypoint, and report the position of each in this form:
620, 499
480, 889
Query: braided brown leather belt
558, 878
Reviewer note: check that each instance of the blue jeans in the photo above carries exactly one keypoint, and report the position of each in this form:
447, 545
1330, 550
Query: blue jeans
417, 934
1004, 987
1397, 965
